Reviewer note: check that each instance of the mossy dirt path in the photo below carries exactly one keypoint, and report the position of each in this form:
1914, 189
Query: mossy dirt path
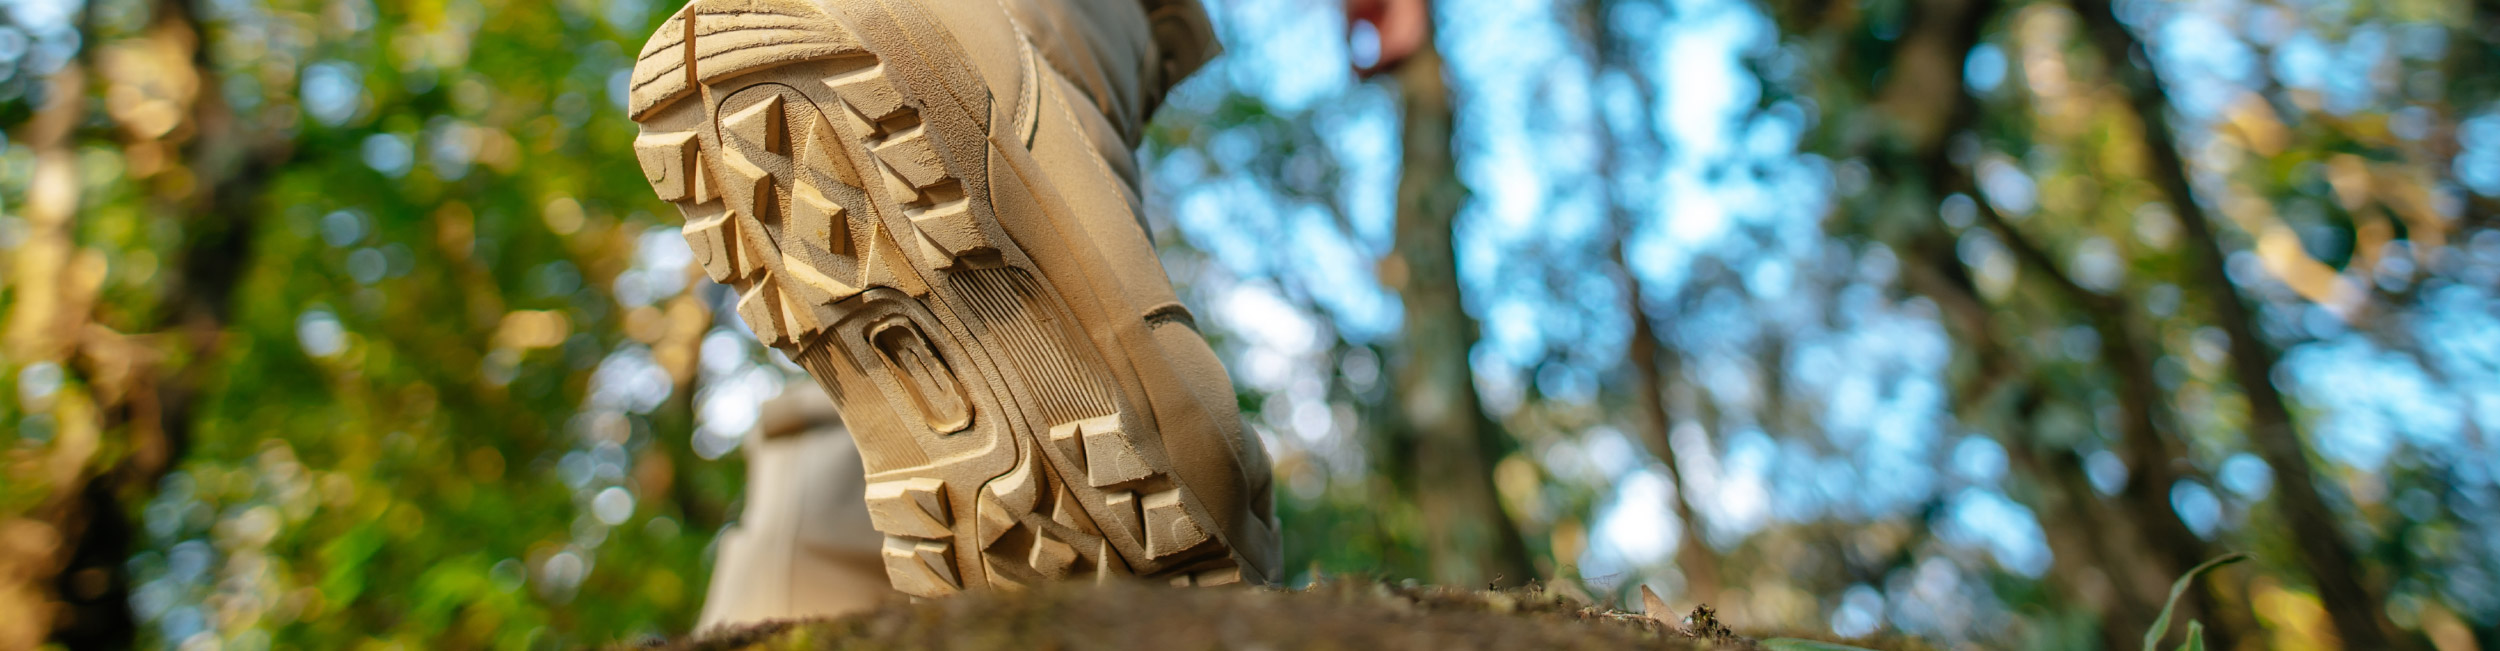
1353, 616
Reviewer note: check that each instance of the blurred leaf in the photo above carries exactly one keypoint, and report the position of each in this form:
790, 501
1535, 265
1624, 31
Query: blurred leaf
2195, 637
2152, 636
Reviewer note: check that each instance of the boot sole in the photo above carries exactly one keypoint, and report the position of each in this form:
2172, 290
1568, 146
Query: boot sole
834, 166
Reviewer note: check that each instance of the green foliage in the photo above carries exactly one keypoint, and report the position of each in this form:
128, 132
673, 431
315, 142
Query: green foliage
451, 396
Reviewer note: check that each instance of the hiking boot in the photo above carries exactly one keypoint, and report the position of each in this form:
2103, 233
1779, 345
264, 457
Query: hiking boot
927, 213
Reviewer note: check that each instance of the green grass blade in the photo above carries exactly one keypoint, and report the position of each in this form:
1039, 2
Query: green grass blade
2152, 636
2196, 637
1794, 644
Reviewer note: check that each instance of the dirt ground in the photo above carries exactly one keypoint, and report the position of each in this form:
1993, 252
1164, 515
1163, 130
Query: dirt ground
1347, 615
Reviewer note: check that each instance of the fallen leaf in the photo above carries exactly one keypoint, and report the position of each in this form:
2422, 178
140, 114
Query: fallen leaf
1655, 607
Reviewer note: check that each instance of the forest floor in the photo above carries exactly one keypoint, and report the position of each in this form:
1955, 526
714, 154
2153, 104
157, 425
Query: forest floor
1350, 615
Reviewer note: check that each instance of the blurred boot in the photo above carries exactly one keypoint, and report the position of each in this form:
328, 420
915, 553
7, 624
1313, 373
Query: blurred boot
802, 547
931, 206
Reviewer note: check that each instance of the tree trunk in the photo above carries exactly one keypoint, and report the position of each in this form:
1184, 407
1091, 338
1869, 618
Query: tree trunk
1651, 365
2355, 609
1469, 537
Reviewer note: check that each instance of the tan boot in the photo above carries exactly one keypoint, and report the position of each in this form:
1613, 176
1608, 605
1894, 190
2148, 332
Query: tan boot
802, 547
929, 214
